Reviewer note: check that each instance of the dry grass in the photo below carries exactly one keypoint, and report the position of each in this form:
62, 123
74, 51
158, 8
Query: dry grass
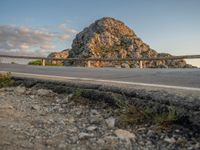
132, 115
166, 119
5, 80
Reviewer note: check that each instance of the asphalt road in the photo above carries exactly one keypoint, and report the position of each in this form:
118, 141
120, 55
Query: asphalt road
171, 77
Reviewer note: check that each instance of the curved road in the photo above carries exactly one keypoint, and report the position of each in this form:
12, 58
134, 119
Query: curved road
187, 78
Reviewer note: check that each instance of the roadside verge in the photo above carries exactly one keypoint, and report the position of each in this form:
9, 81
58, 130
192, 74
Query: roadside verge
186, 106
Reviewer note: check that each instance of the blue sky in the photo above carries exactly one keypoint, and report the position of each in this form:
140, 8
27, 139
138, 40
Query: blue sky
171, 26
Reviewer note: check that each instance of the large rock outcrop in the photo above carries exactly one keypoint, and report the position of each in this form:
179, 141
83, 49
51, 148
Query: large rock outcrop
111, 38
63, 54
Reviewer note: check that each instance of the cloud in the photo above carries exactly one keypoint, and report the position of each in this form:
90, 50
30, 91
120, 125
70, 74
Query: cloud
66, 29
14, 37
24, 40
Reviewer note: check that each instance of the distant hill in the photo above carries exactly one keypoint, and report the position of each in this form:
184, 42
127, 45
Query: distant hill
111, 38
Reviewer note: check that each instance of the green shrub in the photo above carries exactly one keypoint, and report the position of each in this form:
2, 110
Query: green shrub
78, 92
35, 62
39, 63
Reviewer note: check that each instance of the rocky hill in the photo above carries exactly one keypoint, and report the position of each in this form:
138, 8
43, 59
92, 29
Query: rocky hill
111, 38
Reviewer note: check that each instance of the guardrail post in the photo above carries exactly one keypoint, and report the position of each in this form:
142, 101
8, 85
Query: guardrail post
140, 64
89, 63
43, 62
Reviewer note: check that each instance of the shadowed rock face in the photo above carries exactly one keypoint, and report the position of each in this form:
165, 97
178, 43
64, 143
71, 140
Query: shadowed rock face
111, 38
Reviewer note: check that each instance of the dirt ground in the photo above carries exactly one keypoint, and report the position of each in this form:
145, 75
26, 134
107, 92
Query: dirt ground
32, 118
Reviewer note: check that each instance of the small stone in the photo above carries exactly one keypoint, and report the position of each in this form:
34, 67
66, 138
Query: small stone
95, 117
123, 134
28, 92
149, 143
70, 96
150, 133
32, 96
60, 109
72, 130
111, 142
141, 129
70, 120
125, 65
20, 89
49, 142
51, 120
84, 135
91, 128
170, 140
73, 139
2, 94
118, 66
44, 92
62, 146
100, 142
78, 112
96, 120
67, 98
94, 112
38, 137
110, 122
6, 106
62, 122
197, 146
57, 100
5, 143
36, 107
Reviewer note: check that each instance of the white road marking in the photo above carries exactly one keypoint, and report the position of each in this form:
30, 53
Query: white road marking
107, 81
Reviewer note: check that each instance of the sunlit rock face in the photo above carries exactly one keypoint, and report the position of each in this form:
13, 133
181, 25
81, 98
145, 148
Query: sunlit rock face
111, 38
63, 54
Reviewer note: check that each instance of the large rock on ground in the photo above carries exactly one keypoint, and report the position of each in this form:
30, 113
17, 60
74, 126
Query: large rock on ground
111, 38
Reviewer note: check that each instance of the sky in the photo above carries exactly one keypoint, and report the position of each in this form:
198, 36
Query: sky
38, 27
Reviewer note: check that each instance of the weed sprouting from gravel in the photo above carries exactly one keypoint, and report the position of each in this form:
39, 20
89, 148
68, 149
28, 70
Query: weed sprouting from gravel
77, 92
166, 119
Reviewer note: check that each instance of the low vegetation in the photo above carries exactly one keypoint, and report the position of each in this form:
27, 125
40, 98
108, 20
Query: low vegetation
39, 63
5, 80
133, 115
77, 93
128, 114
35, 62
166, 119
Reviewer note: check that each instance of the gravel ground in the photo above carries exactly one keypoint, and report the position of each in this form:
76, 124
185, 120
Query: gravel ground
35, 118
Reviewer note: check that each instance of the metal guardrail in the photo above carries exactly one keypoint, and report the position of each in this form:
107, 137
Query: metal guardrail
140, 60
